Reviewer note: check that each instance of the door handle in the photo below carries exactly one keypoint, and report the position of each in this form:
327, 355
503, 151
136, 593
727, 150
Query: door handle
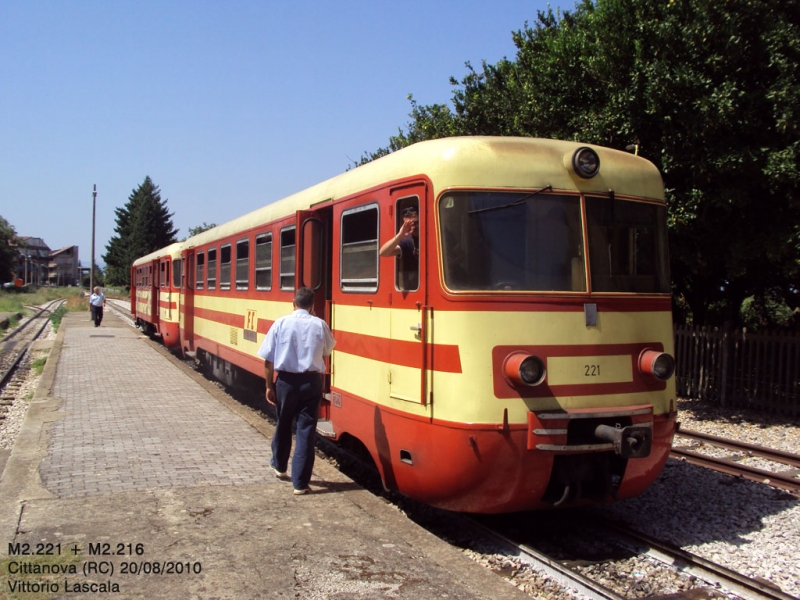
417, 327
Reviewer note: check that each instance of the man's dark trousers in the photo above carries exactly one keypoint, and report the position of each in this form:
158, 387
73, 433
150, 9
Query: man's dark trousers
297, 395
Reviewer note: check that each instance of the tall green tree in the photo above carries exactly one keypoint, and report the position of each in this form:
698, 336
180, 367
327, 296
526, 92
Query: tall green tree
144, 225
706, 89
8, 250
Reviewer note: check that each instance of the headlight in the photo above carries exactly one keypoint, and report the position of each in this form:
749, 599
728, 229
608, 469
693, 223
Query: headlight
656, 364
524, 369
586, 162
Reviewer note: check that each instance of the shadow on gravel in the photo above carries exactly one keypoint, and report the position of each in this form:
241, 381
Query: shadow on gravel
689, 505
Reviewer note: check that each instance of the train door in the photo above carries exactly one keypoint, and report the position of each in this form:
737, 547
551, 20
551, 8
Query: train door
187, 302
164, 289
154, 292
410, 333
313, 265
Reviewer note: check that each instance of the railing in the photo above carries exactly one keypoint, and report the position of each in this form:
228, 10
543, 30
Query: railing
739, 369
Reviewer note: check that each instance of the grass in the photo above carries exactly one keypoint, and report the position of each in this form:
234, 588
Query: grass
7, 579
57, 315
38, 365
16, 301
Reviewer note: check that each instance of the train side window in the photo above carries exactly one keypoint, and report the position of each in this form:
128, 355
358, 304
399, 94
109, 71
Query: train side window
288, 258
164, 280
176, 273
199, 270
264, 261
359, 251
225, 267
212, 269
242, 264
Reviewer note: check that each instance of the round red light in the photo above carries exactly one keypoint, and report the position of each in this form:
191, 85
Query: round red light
656, 364
524, 369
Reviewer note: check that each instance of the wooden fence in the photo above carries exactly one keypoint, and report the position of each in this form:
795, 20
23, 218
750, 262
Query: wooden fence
759, 371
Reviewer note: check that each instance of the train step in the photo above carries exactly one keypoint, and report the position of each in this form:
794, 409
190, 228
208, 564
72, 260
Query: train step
325, 428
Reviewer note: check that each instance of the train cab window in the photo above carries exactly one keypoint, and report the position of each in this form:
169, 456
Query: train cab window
512, 241
359, 251
176, 273
627, 246
405, 250
288, 258
211, 281
200, 268
264, 261
225, 267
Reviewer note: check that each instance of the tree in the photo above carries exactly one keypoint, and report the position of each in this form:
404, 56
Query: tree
144, 225
707, 90
8, 250
201, 228
97, 277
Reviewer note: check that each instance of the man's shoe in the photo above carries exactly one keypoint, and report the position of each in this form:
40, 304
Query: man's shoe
278, 474
301, 492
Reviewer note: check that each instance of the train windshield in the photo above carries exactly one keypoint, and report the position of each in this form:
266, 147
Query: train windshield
627, 246
512, 241
534, 242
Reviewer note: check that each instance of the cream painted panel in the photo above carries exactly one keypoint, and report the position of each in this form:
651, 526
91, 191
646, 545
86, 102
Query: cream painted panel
361, 319
369, 379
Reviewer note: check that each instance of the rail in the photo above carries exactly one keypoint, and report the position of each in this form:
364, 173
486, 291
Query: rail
9, 372
731, 581
784, 480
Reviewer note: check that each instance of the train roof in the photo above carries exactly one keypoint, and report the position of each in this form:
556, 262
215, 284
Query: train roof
173, 251
486, 162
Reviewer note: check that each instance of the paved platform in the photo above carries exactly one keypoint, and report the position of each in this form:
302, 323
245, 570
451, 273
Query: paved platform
134, 477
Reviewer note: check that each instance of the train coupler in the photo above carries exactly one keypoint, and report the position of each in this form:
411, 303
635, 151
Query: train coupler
633, 441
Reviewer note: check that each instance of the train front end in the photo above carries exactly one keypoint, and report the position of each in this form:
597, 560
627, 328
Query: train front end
557, 296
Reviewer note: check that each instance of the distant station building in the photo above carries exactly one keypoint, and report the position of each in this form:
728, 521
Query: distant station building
64, 267
39, 265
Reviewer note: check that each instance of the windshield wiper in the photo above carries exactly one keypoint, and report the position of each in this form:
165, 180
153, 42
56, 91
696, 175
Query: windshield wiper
525, 198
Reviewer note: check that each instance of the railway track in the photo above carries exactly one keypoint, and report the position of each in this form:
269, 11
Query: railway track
719, 576
589, 559
15, 345
14, 352
122, 308
787, 479
595, 557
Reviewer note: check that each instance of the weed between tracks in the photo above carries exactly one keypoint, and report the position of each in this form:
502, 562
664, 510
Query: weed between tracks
43, 574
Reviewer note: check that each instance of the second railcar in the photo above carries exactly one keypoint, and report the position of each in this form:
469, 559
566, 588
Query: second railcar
155, 292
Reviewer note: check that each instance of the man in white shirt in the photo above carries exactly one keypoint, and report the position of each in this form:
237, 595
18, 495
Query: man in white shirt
96, 303
295, 348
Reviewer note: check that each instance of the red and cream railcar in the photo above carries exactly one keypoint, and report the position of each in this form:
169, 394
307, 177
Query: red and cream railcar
522, 362
155, 291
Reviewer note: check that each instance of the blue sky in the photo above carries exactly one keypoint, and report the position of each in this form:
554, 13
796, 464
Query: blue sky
226, 105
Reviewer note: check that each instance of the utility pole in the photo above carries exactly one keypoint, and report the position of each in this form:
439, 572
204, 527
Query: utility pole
91, 265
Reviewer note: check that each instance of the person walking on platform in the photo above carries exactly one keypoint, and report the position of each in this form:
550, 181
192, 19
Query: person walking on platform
295, 348
96, 303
